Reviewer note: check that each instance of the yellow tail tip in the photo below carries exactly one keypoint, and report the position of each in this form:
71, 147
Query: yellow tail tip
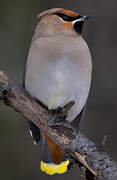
54, 168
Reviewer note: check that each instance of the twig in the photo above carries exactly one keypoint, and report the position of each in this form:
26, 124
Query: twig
85, 151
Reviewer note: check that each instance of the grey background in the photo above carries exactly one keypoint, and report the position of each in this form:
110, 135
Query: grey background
19, 158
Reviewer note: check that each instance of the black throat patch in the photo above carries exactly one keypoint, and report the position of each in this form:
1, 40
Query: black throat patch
78, 26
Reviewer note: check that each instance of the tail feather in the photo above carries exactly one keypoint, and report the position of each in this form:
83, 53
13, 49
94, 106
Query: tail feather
54, 168
53, 159
34, 131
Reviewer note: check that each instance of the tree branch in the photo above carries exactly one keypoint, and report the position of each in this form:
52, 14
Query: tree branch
84, 150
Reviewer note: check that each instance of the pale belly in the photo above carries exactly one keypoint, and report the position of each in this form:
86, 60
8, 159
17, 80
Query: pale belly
57, 84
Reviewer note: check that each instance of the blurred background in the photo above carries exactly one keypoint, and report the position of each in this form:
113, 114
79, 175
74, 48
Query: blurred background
19, 158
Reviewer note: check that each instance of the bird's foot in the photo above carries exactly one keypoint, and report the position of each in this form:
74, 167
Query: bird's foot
67, 107
63, 111
57, 121
59, 116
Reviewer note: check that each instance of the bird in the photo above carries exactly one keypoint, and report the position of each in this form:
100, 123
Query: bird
58, 70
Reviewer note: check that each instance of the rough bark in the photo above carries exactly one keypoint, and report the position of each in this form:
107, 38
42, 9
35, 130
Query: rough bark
98, 164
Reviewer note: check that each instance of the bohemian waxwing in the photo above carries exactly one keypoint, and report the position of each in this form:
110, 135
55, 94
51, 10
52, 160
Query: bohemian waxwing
58, 70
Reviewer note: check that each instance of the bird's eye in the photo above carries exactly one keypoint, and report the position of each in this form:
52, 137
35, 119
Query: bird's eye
64, 17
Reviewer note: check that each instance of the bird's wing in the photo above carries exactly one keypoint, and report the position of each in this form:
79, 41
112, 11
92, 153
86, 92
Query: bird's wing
76, 123
34, 130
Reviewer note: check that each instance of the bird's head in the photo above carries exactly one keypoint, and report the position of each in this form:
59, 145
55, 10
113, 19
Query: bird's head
60, 21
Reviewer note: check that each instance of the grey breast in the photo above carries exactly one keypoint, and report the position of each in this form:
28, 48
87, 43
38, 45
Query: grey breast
59, 71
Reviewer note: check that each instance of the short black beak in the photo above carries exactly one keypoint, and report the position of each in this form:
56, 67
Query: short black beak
86, 17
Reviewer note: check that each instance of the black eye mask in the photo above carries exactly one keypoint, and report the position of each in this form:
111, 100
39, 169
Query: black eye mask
67, 18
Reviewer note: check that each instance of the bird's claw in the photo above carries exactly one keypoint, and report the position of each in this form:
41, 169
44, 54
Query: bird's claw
57, 121
59, 116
